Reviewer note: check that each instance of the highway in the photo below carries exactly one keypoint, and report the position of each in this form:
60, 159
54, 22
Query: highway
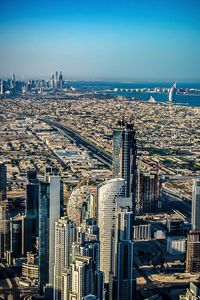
96, 151
176, 204
39, 139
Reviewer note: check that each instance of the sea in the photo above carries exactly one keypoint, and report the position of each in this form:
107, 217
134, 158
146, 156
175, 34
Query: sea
104, 86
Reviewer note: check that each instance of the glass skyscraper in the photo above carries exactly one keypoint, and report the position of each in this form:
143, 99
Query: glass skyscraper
32, 205
124, 157
3, 181
49, 212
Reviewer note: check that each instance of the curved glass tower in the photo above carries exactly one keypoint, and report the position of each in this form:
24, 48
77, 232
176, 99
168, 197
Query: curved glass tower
107, 195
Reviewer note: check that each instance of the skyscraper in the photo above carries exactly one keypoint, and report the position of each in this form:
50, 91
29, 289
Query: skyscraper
3, 181
122, 281
5, 215
80, 278
56, 80
196, 205
60, 80
124, 158
88, 245
32, 205
20, 235
49, 213
44, 215
107, 194
52, 81
54, 215
13, 80
65, 234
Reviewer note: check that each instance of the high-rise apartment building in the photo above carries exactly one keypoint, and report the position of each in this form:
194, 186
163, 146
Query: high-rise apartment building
49, 213
65, 235
5, 215
3, 181
86, 245
122, 280
124, 157
32, 205
107, 195
196, 205
193, 252
44, 216
80, 279
20, 235
54, 215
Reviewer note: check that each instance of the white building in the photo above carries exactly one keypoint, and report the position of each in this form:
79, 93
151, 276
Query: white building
54, 215
107, 194
65, 234
142, 232
80, 277
176, 245
172, 93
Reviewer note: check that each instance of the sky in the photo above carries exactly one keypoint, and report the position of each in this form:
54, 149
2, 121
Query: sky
126, 40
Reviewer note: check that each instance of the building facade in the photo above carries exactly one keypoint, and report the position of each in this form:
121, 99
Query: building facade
3, 181
122, 280
193, 252
107, 195
49, 213
124, 157
148, 191
196, 205
65, 235
78, 282
32, 205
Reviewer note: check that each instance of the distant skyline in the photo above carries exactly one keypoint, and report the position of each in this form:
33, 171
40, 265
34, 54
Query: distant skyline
130, 40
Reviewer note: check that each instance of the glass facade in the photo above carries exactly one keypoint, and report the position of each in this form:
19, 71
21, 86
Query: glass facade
124, 157
44, 201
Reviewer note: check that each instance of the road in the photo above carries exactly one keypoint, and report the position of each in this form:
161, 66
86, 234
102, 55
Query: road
52, 152
173, 203
96, 151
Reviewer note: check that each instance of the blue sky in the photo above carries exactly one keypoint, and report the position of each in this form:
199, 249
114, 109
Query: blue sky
138, 40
